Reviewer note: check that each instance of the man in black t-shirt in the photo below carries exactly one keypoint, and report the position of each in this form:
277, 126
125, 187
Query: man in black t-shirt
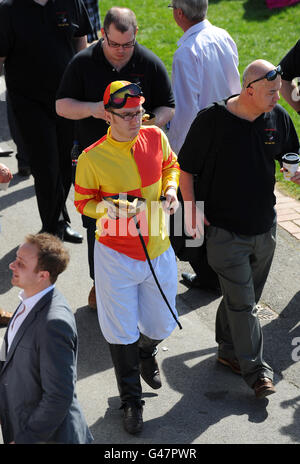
239, 209
37, 40
117, 56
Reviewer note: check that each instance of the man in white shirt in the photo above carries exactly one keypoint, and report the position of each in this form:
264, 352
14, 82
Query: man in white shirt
38, 357
205, 70
205, 66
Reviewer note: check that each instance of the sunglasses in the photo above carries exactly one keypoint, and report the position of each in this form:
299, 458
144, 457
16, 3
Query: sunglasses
119, 97
270, 76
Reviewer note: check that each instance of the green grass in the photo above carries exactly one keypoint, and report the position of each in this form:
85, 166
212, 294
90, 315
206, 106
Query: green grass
257, 31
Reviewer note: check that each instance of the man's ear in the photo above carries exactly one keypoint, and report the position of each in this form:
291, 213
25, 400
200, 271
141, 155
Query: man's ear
249, 91
44, 275
107, 116
180, 12
102, 32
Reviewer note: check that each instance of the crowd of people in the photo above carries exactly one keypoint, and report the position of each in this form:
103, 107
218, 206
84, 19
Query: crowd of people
148, 146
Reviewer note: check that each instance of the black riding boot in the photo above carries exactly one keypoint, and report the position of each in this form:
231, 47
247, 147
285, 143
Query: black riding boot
149, 369
126, 363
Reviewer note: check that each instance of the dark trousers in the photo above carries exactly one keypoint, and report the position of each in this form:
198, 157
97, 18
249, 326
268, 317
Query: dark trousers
199, 263
47, 140
197, 255
242, 263
90, 225
22, 157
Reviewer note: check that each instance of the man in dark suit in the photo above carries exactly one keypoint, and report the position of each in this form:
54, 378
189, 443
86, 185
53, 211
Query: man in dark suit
38, 357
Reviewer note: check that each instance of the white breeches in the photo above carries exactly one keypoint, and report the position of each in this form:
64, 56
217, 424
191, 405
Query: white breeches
128, 299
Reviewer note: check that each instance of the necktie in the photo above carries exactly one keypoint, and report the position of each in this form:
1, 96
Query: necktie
21, 311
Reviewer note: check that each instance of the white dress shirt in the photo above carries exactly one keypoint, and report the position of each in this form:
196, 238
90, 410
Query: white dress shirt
204, 70
21, 315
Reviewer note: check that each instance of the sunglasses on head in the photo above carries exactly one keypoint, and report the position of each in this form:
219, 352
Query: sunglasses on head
270, 76
119, 97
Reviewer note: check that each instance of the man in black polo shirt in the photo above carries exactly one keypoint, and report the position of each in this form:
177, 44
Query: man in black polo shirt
117, 56
37, 40
240, 209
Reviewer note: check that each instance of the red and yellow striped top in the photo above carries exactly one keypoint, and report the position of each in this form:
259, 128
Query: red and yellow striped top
145, 167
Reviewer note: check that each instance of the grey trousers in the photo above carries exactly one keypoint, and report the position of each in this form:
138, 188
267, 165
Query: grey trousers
242, 263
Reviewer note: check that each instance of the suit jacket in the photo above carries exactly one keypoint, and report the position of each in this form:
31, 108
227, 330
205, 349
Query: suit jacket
38, 402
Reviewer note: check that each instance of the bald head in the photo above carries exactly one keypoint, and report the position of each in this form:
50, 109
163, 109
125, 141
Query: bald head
255, 70
259, 93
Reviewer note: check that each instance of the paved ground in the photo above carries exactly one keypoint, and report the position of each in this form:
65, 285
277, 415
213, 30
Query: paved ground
288, 214
200, 402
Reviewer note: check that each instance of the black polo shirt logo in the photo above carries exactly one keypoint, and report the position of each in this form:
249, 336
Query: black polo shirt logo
62, 19
270, 136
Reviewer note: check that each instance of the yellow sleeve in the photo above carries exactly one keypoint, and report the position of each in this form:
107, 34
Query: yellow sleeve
87, 188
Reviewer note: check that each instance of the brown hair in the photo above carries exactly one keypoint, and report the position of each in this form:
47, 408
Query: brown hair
52, 255
121, 18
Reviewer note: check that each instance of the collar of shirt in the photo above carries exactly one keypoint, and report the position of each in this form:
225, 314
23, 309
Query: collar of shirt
122, 146
194, 30
31, 301
20, 315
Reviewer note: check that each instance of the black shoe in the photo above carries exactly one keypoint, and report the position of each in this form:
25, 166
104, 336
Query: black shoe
263, 387
65, 233
24, 171
133, 418
149, 371
193, 281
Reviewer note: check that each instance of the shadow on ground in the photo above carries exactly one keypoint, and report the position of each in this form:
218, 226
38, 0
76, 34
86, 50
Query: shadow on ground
209, 392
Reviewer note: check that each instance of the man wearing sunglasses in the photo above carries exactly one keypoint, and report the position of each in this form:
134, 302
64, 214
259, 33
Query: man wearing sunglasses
134, 160
117, 55
290, 65
240, 211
